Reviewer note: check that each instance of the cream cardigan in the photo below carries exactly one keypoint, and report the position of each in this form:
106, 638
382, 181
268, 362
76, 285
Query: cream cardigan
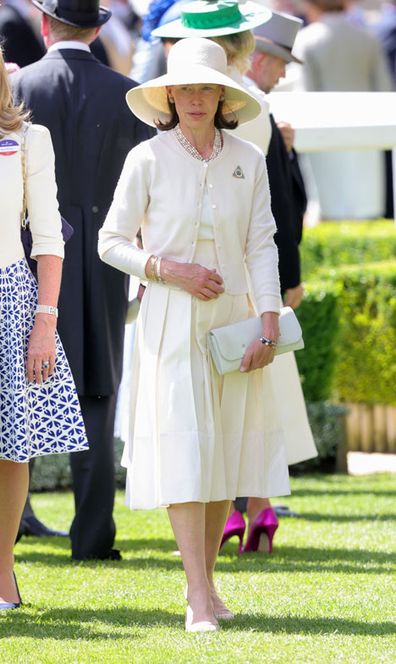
161, 190
41, 193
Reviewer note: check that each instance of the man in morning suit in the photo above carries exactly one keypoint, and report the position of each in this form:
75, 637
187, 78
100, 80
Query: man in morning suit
274, 42
82, 102
19, 42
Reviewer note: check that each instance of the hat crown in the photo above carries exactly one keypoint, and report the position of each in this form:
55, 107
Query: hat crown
280, 29
207, 14
196, 52
81, 13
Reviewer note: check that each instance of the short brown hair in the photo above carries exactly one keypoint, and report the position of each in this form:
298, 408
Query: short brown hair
64, 32
219, 120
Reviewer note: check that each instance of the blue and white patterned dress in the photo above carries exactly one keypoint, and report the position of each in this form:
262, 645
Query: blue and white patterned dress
35, 419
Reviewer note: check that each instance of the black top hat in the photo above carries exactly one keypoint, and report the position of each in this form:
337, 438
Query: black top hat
78, 13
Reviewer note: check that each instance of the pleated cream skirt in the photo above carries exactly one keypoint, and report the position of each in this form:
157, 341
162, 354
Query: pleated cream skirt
193, 435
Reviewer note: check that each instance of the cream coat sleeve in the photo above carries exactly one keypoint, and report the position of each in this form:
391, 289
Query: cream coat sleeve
261, 251
125, 217
41, 194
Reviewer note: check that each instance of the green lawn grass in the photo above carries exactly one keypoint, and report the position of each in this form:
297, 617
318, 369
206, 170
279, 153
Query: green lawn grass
325, 595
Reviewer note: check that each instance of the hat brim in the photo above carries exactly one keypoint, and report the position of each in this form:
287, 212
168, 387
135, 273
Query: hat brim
103, 16
271, 48
149, 101
253, 15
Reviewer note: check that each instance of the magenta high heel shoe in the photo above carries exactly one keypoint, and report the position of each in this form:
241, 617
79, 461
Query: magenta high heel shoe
262, 532
235, 527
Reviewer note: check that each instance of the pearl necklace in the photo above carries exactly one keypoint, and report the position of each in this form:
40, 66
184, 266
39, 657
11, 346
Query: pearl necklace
217, 145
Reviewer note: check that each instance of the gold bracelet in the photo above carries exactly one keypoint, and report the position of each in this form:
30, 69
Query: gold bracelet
157, 270
150, 268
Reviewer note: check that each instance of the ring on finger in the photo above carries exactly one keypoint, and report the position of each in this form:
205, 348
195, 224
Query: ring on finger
45, 364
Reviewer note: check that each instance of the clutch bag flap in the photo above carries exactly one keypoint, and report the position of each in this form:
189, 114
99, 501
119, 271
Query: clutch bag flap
228, 344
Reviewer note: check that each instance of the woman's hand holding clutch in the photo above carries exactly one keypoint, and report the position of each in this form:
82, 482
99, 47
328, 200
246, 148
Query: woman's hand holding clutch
262, 351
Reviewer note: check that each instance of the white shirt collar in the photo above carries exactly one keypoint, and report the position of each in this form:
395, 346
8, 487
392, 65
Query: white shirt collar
76, 45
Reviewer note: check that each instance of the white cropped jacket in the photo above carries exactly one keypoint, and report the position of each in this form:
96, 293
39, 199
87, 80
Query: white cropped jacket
161, 189
41, 191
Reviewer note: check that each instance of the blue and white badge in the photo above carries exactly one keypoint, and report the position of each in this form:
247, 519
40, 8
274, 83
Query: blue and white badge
8, 147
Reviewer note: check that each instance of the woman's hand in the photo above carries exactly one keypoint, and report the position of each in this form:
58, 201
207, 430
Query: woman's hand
288, 134
41, 348
293, 296
257, 354
193, 278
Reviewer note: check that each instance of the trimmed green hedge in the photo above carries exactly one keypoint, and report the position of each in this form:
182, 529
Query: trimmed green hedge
366, 355
327, 424
349, 325
319, 318
332, 244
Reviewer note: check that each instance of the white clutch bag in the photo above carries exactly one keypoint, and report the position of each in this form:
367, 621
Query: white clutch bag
228, 344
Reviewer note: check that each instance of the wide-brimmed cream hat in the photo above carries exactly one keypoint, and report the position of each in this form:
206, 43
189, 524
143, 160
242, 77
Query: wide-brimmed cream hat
192, 61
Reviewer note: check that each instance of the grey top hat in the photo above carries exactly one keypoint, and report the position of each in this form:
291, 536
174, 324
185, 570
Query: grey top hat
277, 36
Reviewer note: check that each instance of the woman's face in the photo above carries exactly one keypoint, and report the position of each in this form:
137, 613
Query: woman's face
196, 105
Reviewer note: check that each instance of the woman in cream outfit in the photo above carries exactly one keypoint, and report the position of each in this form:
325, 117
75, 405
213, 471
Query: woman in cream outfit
235, 36
201, 198
39, 409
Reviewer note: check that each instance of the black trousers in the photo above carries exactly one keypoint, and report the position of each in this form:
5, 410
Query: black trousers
93, 529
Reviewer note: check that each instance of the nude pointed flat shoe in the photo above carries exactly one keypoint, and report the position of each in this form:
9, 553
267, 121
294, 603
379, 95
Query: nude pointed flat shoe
202, 626
222, 613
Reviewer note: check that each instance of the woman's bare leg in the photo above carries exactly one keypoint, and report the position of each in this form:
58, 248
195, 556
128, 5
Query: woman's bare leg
188, 524
216, 517
14, 482
254, 507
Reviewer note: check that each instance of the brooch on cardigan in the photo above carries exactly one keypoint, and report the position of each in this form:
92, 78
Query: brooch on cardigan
238, 173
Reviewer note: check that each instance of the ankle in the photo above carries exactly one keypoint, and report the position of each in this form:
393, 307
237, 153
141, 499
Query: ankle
255, 506
197, 593
6, 571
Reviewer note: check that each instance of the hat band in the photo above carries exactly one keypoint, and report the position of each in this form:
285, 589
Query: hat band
264, 40
225, 15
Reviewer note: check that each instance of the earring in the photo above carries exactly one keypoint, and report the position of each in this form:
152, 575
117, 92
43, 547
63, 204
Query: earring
222, 98
171, 100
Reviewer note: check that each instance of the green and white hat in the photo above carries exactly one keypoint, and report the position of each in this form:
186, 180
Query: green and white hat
214, 18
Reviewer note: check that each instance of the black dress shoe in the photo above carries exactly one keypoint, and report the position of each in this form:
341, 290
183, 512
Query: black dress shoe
32, 527
113, 554
5, 606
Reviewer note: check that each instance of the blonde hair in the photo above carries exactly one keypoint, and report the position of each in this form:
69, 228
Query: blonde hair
238, 47
11, 116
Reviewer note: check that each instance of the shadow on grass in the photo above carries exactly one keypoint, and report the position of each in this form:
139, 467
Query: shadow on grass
284, 559
90, 625
335, 491
346, 518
